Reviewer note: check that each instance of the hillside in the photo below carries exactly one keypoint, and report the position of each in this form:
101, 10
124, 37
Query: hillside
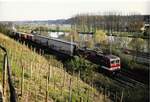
39, 79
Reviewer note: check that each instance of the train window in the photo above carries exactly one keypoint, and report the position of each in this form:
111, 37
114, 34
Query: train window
113, 62
107, 63
117, 61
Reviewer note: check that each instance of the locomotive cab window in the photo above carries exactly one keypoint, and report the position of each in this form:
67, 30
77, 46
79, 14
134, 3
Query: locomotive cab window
113, 62
117, 61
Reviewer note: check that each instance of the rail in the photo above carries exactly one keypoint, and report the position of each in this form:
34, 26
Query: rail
7, 74
128, 81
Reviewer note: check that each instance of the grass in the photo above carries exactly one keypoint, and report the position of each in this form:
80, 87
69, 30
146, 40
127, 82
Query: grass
36, 70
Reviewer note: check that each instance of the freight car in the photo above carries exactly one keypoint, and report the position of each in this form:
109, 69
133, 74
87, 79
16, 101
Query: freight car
22, 36
15, 35
61, 46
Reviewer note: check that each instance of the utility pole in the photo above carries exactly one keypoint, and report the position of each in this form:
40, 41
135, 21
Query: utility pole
57, 29
110, 41
71, 48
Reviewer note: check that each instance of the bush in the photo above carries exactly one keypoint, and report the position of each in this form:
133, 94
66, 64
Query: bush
85, 67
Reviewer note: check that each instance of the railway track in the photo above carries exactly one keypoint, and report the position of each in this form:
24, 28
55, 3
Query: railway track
134, 76
126, 80
139, 54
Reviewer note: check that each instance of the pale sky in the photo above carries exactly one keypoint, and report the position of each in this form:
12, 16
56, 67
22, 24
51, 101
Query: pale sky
62, 9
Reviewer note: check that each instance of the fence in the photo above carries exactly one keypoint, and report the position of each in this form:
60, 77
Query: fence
6, 73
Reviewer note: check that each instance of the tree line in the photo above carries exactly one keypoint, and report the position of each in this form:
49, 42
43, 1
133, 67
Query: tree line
109, 22
5, 27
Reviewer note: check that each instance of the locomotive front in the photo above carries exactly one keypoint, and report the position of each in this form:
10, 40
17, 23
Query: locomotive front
113, 63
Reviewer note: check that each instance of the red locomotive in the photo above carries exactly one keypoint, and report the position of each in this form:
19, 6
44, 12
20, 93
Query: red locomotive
108, 62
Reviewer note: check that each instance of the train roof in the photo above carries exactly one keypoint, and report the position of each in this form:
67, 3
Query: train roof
24, 33
91, 33
50, 38
59, 40
21, 32
111, 56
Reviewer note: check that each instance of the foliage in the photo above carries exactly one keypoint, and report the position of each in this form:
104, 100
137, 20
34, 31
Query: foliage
83, 66
109, 21
100, 37
135, 25
137, 44
147, 32
5, 27
74, 36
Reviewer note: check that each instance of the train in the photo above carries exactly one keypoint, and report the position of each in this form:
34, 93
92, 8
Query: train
108, 62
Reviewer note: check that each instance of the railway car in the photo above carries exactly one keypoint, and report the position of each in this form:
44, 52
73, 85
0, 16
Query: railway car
12, 34
23, 36
41, 40
65, 47
17, 35
58, 45
29, 37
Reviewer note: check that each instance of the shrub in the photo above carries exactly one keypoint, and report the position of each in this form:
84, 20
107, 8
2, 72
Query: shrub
85, 67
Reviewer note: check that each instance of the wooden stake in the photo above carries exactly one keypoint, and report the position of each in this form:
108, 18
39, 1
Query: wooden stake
116, 97
104, 94
81, 99
39, 77
70, 90
54, 77
88, 95
35, 94
78, 84
31, 65
121, 99
22, 79
64, 78
46, 100
49, 73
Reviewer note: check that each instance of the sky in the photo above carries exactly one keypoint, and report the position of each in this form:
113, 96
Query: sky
19, 10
